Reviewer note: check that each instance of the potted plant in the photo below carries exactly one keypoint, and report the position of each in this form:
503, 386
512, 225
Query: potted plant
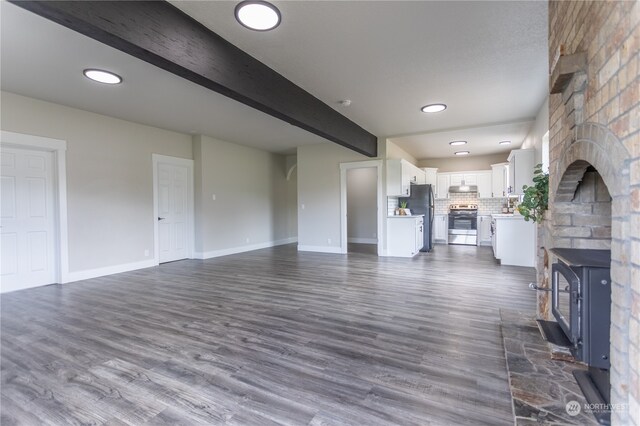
536, 198
403, 205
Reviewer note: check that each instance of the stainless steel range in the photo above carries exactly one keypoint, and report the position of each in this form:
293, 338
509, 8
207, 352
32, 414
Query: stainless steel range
463, 224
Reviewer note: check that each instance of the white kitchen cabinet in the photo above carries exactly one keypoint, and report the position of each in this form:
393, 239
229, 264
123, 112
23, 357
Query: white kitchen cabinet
483, 180
441, 228
419, 233
404, 235
431, 176
456, 179
416, 174
514, 240
521, 163
401, 175
499, 180
442, 185
484, 230
398, 178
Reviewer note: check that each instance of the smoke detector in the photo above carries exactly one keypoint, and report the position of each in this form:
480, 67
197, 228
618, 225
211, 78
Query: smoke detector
345, 102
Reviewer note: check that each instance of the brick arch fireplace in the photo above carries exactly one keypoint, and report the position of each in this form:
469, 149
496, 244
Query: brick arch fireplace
590, 202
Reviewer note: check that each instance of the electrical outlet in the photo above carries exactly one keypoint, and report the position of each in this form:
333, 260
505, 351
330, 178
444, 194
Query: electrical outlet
213, 197
328, 240
302, 206
247, 240
146, 253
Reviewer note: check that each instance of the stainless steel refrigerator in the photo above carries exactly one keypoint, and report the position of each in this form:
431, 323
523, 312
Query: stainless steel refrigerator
421, 201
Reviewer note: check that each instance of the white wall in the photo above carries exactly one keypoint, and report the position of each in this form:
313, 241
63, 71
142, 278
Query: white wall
362, 221
538, 130
393, 151
251, 208
110, 186
319, 193
109, 177
457, 164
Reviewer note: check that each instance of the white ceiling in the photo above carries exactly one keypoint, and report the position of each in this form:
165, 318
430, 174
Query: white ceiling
480, 140
486, 60
149, 95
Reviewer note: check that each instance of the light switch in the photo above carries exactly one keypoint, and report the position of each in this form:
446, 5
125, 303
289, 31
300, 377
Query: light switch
213, 197
302, 206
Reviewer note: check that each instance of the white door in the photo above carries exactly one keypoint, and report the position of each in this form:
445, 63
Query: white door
27, 219
173, 212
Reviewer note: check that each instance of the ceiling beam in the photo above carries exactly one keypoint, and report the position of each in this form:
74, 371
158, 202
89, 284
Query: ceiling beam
159, 33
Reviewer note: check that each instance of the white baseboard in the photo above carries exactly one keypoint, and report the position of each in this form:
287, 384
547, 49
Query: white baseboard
108, 270
362, 240
127, 267
320, 249
242, 249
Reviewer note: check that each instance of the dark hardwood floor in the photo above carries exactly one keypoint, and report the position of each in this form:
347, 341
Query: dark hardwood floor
267, 337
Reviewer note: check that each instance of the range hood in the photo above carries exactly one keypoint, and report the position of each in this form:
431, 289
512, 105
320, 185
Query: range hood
463, 188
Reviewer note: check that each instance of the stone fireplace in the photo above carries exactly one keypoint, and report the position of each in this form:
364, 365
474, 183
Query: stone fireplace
594, 198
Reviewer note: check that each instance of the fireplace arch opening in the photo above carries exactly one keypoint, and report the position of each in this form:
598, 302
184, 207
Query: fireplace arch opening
582, 209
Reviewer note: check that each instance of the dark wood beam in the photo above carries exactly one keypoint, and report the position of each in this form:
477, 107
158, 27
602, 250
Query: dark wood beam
159, 33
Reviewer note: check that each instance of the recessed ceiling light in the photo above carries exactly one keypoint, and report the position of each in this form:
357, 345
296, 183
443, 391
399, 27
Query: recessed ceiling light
102, 76
462, 153
505, 143
433, 108
257, 15
455, 143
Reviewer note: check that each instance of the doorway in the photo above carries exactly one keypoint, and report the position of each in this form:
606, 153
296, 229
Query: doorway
33, 212
173, 208
361, 207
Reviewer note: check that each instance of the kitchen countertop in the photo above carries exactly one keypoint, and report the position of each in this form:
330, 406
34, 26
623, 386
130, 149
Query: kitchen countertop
507, 216
413, 216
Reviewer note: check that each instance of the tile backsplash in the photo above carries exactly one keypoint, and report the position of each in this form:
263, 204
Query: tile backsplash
486, 206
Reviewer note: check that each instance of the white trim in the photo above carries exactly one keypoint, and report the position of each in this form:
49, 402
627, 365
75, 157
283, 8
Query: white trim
382, 209
242, 249
176, 161
321, 249
59, 149
109, 270
362, 240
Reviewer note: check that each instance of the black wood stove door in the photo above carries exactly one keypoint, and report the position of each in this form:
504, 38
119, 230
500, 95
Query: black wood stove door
566, 304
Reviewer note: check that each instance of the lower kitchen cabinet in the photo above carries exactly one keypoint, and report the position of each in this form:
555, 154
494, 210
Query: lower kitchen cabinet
484, 230
405, 235
441, 228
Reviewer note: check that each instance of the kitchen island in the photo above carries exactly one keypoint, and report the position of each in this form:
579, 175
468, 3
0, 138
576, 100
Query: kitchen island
513, 239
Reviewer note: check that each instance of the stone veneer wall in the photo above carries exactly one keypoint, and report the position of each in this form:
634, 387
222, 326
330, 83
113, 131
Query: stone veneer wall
596, 121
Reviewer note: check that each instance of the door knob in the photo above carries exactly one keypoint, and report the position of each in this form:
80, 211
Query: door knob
161, 218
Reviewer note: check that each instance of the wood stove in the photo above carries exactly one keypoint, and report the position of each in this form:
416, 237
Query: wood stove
581, 304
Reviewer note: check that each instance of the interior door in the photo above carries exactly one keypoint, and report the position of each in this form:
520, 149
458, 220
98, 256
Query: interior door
173, 212
28, 236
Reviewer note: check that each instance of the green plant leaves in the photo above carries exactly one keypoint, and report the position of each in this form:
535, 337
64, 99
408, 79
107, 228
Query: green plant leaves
536, 197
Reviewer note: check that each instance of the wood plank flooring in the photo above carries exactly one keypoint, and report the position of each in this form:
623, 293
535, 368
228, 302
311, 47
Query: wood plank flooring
267, 337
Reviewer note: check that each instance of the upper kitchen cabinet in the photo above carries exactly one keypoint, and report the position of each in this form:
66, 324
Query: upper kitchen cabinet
431, 176
416, 174
499, 180
521, 162
400, 175
442, 185
468, 178
483, 180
